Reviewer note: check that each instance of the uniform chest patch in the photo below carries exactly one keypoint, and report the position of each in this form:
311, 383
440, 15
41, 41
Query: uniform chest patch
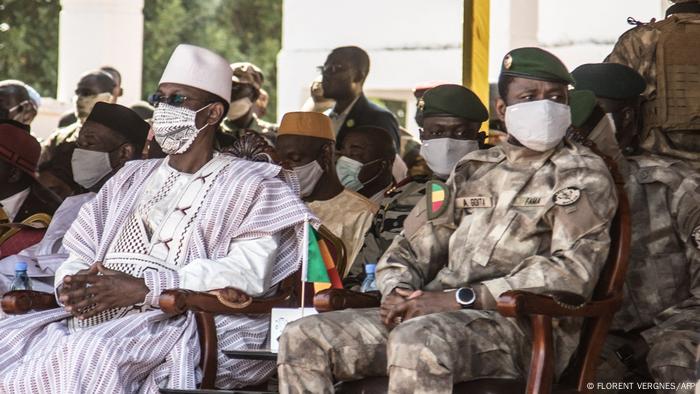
566, 196
474, 202
695, 235
437, 197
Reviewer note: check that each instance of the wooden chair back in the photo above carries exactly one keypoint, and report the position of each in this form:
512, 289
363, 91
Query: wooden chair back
582, 368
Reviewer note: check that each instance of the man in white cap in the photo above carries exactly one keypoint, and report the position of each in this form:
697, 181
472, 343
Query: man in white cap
195, 220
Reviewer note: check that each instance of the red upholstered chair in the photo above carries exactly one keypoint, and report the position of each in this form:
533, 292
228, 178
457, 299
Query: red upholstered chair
540, 308
15, 237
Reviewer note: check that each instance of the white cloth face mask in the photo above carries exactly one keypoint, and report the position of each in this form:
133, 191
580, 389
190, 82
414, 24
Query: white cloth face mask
308, 176
442, 154
538, 125
89, 166
174, 128
239, 107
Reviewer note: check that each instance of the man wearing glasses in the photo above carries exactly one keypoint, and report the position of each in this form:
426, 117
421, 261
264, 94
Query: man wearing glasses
196, 220
344, 74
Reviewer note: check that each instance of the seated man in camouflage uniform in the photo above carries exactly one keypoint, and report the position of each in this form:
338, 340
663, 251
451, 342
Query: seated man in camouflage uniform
533, 212
450, 117
662, 288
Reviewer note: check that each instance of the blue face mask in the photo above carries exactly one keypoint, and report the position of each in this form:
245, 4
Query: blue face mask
349, 171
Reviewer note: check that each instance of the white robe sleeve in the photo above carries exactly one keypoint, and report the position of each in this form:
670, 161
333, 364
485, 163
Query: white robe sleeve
247, 267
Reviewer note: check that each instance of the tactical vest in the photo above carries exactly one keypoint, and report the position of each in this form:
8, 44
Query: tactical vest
675, 110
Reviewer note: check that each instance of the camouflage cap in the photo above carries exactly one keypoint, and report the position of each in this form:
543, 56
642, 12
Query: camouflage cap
535, 63
609, 80
244, 72
582, 103
452, 100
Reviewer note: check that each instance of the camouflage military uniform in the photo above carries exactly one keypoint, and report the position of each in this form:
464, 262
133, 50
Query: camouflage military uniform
516, 219
266, 129
637, 48
663, 278
63, 135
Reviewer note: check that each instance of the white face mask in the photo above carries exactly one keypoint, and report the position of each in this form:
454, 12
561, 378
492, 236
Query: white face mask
442, 154
174, 128
239, 108
89, 167
308, 176
538, 125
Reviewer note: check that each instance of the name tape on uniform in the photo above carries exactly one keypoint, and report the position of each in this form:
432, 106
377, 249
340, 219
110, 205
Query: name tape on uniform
528, 201
474, 202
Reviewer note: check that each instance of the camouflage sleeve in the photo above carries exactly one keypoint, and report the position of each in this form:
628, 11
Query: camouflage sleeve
417, 254
580, 239
685, 207
627, 50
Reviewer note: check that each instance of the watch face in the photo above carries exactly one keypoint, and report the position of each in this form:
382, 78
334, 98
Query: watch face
466, 296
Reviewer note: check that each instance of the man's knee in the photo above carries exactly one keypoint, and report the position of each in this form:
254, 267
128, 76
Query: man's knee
299, 340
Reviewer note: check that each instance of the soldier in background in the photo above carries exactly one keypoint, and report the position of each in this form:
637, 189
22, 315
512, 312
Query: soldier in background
667, 55
450, 117
246, 83
659, 320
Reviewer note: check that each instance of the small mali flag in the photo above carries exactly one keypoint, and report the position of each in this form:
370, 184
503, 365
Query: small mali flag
437, 198
319, 267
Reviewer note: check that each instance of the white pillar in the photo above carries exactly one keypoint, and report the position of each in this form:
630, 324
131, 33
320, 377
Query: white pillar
95, 33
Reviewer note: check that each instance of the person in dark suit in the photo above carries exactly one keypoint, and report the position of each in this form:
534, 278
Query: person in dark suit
344, 74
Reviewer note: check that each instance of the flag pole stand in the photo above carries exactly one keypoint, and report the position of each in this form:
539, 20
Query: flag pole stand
303, 298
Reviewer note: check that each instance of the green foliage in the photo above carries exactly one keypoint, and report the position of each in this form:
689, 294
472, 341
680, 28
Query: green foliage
239, 30
29, 43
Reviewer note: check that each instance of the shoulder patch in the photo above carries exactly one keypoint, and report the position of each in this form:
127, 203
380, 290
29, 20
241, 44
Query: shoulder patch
437, 198
695, 235
566, 196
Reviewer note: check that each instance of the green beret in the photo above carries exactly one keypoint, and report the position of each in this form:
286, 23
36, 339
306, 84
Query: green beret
452, 100
609, 80
582, 103
535, 63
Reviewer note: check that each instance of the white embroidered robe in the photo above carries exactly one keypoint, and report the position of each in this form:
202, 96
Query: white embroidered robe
233, 223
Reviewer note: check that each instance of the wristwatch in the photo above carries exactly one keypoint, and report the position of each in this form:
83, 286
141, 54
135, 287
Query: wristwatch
465, 297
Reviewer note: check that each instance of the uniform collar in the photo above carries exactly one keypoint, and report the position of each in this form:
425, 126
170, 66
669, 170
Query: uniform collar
522, 155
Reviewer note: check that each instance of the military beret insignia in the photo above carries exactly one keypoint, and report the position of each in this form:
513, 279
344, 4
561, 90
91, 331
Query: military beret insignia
566, 196
437, 197
507, 61
421, 104
696, 236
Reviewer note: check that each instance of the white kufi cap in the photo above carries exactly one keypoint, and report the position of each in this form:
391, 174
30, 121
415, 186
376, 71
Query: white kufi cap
200, 68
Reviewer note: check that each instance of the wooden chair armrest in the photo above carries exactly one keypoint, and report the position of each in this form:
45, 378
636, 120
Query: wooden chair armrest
339, 299
178, 301
518, 303
22, 301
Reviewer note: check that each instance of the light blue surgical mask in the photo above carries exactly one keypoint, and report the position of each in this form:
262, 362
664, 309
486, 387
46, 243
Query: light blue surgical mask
349, 171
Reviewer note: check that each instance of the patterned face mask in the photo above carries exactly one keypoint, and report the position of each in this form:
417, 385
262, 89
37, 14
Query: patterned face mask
174, 128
